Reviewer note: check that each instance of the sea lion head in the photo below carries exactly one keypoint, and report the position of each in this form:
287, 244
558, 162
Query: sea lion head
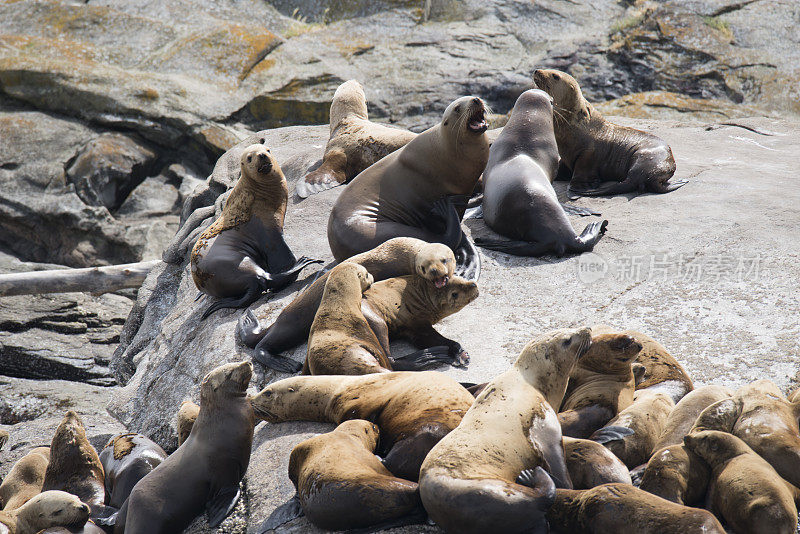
231, 379
364, 431
715, 446
465, 115
259, 164
69, 432
275, 402
349, 99
346, 271
435, 262
534, 99
611, 352
568, 101
455, 295
547, 360
52, 509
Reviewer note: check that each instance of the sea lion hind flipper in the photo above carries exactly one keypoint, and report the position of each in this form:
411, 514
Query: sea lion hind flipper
424, 359
516, 248
577, 210
538, 479
608, 434
274, 361
222, 504
278, 281
591, 235
284, 513
253, 293
468, 260
248, 329
607, 188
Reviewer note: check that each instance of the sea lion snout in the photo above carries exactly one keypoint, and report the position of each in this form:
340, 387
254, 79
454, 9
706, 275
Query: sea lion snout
265, 163
477, 119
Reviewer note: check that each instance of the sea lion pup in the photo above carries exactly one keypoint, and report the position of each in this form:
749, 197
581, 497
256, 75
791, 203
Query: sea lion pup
25, 479
590, 464
342, 485
187, 415
243, 253
623, 508
488, 471
683, 416
596, 150
74, 464
600, 385
759, 414
677, 474
745, 490
396, 257
45, 510
632, 434
413, 409
355, 142
205, 472
126, 459
519, 201
418, 191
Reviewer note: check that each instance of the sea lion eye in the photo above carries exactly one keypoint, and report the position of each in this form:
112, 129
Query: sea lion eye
249, 158
267, 393
444, 260
454, 294
566, 342
262, 141
422, 269
556, 76
458, 108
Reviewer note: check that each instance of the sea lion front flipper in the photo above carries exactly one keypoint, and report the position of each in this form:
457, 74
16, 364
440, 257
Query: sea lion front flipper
444, 220
248, 329
611, 433
284, 513
427, 337
468, 260
423, 359
222, 504
577, 210
275, 361
667, 187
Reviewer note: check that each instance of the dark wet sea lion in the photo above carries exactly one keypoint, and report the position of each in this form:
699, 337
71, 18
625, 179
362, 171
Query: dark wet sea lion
25, 479
355, 142
126, 459
490, 470
598, 151
519, 201
418, 191
205, 472
243, 253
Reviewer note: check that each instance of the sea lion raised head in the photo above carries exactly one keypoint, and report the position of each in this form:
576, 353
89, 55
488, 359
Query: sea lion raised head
231, 379
349, 99
465, 114
49, 509
568, 100
610, 352
455, 295
283, 400
435, 262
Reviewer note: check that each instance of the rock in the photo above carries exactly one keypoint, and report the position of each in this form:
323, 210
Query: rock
662, 104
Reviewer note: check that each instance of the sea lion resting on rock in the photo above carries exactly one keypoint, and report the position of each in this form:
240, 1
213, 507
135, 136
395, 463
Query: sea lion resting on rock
25, 479
488, 471
590, 464
243, 253
45, 510
745, 490
396, 257
623, 508
677, 474
205, 472
519, 201
411, 191
341, 484
126, 459
413, 409
596, 150
355, 142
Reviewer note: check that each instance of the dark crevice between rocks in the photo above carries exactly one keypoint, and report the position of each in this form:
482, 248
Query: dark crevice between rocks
732, 7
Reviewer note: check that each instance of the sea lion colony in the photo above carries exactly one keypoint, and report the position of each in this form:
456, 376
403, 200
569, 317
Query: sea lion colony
595, 430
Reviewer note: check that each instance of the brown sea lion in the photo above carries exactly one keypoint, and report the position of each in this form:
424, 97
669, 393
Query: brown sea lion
519, 201
590, 464
759, 414
677, 474
126, 459
632, 434
499, 466
47, 509
205, 472
412, 409
596, 150
25, 479
243, 253
396, 257
418, 191
74, 464
622, 508
683, 416
600, 385
355, 142
87, 528
187, 415
745, 490
341, 484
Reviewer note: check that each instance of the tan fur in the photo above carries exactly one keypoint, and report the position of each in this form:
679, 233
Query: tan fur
590, 464
45, 510
25, 479
676, 474
187, 415
685, 413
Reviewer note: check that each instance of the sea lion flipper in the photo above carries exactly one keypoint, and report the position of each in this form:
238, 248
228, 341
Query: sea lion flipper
252, 294
280, 280
515, 248
668, 187
591, 235
474, 213
222, 504
327, 176
274, 361
538, 479
468, 260
284, 513
249, 330
577, 210
611, 433
423, 359
445, 221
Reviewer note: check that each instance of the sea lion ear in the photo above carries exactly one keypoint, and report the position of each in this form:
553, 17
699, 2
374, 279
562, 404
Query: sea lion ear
639, 371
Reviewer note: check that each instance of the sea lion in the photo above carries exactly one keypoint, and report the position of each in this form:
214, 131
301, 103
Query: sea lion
596, 150
683, 416
759, 414
341, 484
623, 508
355, 142
600, 385
243, 253
418, 191
677, 474
590, 464
74, 465
25, 479
87, 528
47, 509
126, 459
519, 201
412, 409
501, 464
187, 415
745, 490
396, 257
205, 472
632, 434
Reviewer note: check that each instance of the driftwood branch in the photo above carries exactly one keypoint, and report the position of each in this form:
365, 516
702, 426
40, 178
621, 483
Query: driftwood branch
95, 280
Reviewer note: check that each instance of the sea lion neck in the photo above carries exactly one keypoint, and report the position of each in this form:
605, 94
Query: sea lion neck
269, 197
